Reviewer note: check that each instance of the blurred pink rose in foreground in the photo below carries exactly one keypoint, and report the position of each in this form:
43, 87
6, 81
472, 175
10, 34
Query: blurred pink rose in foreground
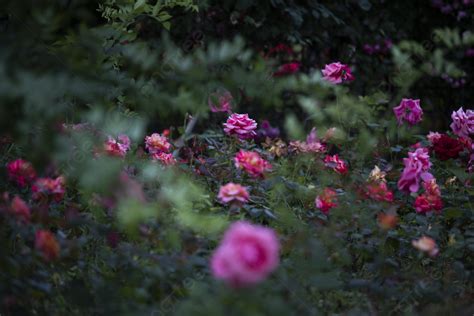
427, 245
409, 111
246, 255
337, 73
232, 192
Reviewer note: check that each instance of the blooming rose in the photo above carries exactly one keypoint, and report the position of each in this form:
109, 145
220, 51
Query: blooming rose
387, 221
463, 122
427, 245
20, 209
430, 200
379, 191
287, 69
156, 143
416, 168
335, 163
220, 101
47, 188
164, 158
337, 73
326, 200
252, 163
240, 125
232, 192
409, 110
433, 136
117, 147
246, 255
46, 243
21, 171
446, 147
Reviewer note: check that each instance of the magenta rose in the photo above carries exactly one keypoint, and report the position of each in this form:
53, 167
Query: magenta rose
337, 73
409, 111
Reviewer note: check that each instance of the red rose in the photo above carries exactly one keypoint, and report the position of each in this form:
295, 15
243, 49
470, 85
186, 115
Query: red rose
446, 147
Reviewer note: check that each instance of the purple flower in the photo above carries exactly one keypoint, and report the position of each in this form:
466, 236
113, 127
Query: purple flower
463, 122
409, 110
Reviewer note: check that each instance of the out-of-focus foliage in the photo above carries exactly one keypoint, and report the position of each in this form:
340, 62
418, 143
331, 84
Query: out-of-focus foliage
135, 236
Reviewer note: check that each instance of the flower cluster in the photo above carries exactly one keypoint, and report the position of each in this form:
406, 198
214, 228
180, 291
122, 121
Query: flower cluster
233, 193
409, 111
246, 255
416, 168
252, 163
241, 126
47, 189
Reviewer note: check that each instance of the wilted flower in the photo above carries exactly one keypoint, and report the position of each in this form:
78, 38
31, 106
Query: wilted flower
409, 111
21, 171
446, 147
156, 143
247, 254
427, 245
117, 147
164, 158
232, 192
47, 188
337, 73
416, 168
336, 164
463, 122
252, 163
240, 125
326, 200
20, 209
387, 221
377, 175
275, 147
46, 243
220, 101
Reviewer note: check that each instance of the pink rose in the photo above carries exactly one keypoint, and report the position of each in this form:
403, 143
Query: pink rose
240, 125
336, 164
337, 73
117, 147
463, 122
21, 171
47, 188
427, 245
232, 192
416, 168
220, 101
20, 209
247, 254
252, 163
156, 143
165, 158
326, 200
409, 110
